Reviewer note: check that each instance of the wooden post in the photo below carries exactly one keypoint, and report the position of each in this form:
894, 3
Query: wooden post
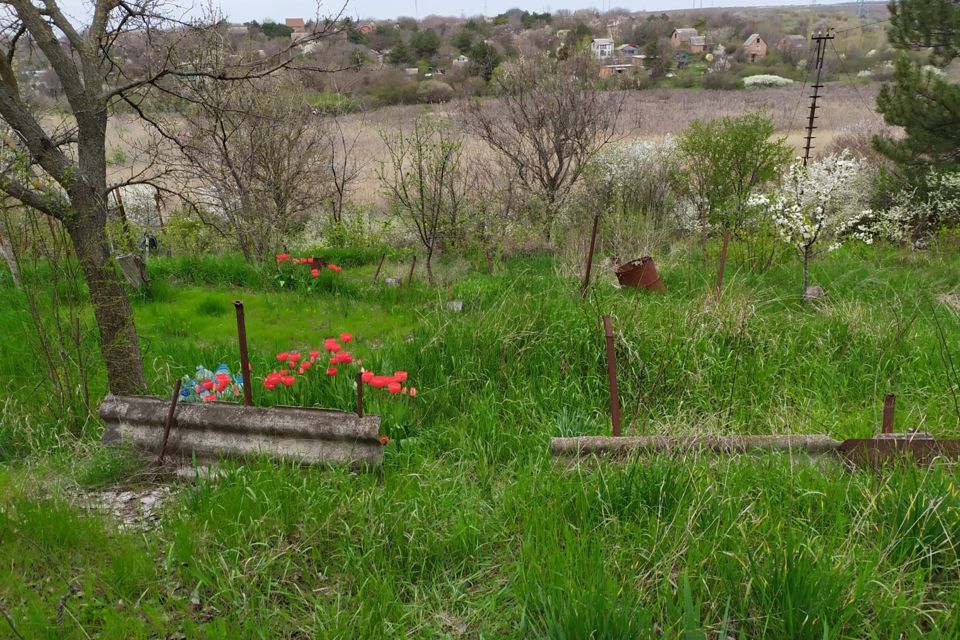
169, 422
889, 409
589, 267
413, 265
376, 274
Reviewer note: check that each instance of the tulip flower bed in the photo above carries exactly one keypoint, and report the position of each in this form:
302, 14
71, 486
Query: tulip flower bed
295, 366
308, 273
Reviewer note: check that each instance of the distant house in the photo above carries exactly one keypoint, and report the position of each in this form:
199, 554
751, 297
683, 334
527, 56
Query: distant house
461, 60
755, 48
680, 38
627, 50
698, 44
609, 70
792, 44
411, 71
297, 24
601, 48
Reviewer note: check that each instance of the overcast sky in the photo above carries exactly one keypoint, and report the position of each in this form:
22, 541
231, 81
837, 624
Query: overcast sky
244, 10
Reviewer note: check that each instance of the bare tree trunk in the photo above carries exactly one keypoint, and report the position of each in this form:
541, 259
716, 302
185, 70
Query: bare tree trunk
6, 251
430, 266
806, 269
119, 343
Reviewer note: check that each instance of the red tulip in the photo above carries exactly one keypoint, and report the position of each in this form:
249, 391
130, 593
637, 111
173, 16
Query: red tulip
301, 370
379, 382
313, 354
384, 440
291, 364
295, 357
306, 364
310, 260
209, 398
315, 273
283, 257
346, 337
270, 384
331, 371
207, 384
344, 358
287, 380
413, 392
394, 387
366, 376
283, 356
333, 346
400, 376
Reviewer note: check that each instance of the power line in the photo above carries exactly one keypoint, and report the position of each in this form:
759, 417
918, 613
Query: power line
853, 84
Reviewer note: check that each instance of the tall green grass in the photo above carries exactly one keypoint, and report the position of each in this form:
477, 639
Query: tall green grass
470, 530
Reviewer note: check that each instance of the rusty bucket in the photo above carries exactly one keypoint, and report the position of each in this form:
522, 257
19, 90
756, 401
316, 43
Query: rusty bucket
640, 274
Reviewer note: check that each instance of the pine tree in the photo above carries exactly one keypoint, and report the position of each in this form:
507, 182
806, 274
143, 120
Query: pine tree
921, 99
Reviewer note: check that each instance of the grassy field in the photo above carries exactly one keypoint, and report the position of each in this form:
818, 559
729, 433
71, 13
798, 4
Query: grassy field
470, 530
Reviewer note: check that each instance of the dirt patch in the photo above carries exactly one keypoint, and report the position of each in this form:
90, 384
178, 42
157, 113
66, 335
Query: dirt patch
952, 300
133, 509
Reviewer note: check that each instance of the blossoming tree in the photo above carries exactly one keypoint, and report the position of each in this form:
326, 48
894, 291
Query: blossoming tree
810, 208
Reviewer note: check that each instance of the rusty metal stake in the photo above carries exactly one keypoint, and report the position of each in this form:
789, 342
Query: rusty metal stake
593, 242
359, 394
723, 261
376, 274
244, 356
612, 375
889, 408
169, 423
413, 265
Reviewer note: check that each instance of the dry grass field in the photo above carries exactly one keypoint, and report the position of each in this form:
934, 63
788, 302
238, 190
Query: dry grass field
648, 115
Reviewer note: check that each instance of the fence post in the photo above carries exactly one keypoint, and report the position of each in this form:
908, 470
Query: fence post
589, 268
244, 356
169, 423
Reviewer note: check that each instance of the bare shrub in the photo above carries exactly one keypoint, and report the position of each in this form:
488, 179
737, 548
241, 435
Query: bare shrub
549, 121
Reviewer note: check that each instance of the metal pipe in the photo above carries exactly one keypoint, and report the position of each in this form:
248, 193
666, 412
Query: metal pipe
589, 268
413, 265
612, 376
723, 261
244, 356
376, 274
359, 394
889, 409
169, 422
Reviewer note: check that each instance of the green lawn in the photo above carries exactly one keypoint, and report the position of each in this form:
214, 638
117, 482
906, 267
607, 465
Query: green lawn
470, 530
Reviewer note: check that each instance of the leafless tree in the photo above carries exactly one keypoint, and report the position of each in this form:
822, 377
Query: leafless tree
59, 168
342, 162
425, 182
549, 119
253, 159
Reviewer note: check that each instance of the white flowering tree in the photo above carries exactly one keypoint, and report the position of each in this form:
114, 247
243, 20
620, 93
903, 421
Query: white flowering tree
811, 209
915, 214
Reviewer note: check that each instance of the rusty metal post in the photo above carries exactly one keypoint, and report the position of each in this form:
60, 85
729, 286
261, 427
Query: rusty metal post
413, 265
589, 268
889, 409
244, 356
723, 261
376, 274
612, 376
169, 423
359, 394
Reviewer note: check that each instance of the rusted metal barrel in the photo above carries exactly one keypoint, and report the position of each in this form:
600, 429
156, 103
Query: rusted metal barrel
640, 274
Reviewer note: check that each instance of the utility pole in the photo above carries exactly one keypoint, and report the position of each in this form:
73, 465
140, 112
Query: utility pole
821, 40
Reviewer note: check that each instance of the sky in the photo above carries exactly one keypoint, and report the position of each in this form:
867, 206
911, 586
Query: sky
244, 10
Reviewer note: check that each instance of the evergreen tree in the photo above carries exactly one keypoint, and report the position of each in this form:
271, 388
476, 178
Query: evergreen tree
921, 99
483, 60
